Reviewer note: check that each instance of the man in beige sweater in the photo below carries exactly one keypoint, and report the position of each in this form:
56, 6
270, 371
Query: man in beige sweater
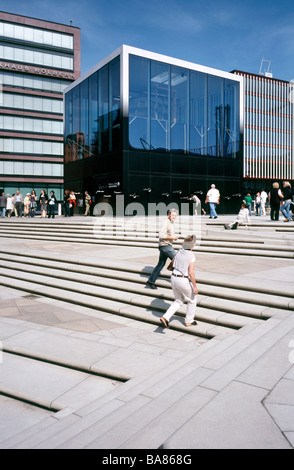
166, 238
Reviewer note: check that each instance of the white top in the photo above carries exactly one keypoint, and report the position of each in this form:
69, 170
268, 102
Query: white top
9, 205
213, 195
263, 196
243, 216
182, 261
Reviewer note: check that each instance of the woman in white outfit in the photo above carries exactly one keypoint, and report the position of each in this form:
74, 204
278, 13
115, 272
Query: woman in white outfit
183, 283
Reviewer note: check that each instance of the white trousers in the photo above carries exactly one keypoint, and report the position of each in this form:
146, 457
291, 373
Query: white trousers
183, 292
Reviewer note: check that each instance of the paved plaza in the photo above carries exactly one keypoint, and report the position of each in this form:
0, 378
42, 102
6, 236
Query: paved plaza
85, 362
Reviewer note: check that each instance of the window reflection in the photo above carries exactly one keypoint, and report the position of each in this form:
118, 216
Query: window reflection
198, 122
139, 110
35, 57
92, 114
181, 110
159, 95
28, 33
214, 118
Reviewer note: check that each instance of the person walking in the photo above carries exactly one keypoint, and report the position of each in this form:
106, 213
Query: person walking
166, 238
287, 200
183, 283
212, 198
275, 197
3, 204
51, 205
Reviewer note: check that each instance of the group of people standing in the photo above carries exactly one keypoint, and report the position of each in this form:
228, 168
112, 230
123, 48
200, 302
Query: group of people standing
279, 200
18, 205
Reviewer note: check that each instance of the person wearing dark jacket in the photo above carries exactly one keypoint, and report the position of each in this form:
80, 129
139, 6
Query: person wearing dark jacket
287, 199
51, 205
66, 203
3, 203
275, 198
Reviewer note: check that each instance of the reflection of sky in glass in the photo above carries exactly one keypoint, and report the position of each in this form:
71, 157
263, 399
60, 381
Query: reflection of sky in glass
173, 108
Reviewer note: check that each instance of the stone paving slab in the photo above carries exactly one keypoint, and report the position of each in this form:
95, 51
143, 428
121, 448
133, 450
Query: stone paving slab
18, 416
247, 425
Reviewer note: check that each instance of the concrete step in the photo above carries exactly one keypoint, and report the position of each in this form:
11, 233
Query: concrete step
215, 304
151, 412
138, 273
135, 282
127, 304
173, 403
50, 386
88, 235
98, 235
218, 310
64, 426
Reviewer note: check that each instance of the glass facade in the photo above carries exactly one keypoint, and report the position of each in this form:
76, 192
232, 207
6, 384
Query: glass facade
26, 124
32, 103
152, 127
31, 168
180, 110
30, 56
92, 109
29, 146
35, 35
27, 81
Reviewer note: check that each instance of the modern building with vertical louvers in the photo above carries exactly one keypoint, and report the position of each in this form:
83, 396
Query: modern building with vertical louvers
38, 59
268, 130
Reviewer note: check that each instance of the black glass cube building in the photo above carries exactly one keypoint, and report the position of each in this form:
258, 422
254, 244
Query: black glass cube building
155, 129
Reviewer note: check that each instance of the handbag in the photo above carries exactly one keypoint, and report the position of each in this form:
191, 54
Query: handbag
171, 265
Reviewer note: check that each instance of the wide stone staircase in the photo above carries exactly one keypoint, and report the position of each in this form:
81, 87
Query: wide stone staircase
224, 303
256, 240
141, 411
119, 288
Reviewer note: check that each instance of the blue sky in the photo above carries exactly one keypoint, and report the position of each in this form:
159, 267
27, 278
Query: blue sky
222, 34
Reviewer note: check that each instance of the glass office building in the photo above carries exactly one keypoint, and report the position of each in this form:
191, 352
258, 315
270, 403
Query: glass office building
268, 130
153, 128
38, 60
